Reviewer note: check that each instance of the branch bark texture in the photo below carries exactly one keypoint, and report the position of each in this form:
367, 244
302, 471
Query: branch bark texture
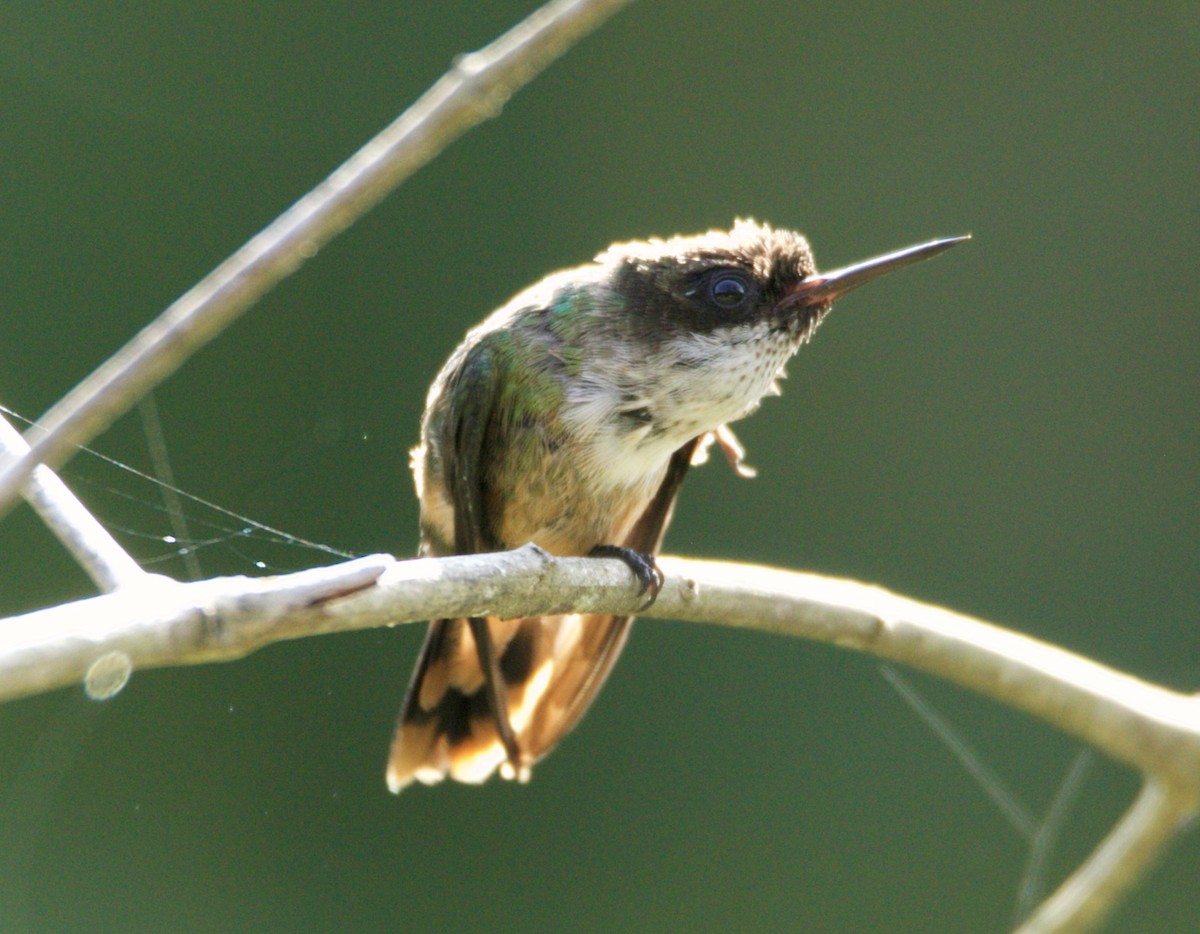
161, 622
167, 622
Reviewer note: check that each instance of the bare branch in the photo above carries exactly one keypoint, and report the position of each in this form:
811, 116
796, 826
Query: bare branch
1133, 846
163, 622
474, 90
104, 560
172, 623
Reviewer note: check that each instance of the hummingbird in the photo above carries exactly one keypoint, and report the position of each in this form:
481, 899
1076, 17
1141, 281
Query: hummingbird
569, 418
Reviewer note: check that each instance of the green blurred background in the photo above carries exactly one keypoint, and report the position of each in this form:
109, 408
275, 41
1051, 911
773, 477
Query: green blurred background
1010, 430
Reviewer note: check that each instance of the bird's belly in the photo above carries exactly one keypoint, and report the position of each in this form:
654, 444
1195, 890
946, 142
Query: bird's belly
566, 498
566, 523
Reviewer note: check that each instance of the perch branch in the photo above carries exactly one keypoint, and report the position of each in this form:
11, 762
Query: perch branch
164, 622
472, 91
171, 623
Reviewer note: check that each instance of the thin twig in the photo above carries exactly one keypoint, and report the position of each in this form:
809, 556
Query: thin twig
1130, 849
1033, 880
156, 444
1007, 803
472, 91
98, 553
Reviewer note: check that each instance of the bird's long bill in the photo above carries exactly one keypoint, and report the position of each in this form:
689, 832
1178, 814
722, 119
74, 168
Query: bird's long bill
827, 286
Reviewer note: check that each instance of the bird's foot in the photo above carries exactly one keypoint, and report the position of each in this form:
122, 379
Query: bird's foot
643, 565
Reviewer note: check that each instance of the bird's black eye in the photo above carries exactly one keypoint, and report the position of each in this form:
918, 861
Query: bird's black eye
729, 289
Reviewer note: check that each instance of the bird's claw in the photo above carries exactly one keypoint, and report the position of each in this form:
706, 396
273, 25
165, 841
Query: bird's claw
644, 567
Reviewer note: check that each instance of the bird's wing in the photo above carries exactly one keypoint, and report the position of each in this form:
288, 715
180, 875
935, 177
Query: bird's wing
587, 646
549, 668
